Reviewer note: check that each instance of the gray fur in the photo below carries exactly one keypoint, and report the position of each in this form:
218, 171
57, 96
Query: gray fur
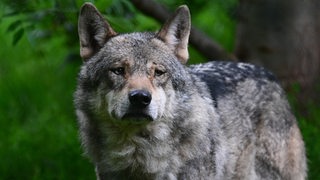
216, 120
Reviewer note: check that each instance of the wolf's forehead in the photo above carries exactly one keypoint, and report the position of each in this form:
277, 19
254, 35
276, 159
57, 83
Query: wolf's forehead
135, 45
132, 39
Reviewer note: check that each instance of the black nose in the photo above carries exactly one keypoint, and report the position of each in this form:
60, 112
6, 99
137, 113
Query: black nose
140, 98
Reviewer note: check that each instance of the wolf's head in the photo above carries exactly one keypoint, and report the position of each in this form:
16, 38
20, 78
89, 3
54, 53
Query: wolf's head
132, 76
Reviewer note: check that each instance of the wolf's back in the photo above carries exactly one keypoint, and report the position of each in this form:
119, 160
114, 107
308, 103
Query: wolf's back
223, 77
256, 120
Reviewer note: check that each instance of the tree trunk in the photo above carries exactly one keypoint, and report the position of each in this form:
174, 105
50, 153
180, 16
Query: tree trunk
283, 36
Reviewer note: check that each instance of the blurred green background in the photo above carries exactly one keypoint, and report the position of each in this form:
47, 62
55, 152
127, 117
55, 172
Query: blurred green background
39, 63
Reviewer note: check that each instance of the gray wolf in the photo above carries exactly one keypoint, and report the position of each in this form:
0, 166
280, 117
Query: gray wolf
144, 114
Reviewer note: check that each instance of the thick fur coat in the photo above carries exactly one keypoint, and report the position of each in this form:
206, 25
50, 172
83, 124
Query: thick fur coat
144, 114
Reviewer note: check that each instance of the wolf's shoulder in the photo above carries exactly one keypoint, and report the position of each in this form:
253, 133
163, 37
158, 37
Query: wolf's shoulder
223, 77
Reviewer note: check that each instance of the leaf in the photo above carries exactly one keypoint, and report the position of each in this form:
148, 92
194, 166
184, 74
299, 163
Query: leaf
10, 14
17, 36
14, 25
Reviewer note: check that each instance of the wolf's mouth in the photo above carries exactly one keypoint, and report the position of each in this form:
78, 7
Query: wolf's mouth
137, 117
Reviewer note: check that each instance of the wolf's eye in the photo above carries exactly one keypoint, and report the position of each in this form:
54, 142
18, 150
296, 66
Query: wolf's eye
158, 72
118, 70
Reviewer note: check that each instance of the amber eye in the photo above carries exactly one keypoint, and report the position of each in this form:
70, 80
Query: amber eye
118, 70
158, 72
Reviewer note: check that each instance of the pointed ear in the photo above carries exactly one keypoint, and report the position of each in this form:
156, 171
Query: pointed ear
93, 31
175, 33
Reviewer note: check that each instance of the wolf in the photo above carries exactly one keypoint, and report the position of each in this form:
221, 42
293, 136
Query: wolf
144, 114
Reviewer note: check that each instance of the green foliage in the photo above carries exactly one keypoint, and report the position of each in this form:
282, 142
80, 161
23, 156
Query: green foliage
46, 19
39, 138
38, 69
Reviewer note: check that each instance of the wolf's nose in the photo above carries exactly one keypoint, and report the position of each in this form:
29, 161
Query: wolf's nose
140, 98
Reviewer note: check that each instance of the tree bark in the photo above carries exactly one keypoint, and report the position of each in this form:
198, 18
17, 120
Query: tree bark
282, 35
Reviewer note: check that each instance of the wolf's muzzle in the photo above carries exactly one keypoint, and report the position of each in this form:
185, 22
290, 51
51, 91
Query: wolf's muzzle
140, 98
138, 109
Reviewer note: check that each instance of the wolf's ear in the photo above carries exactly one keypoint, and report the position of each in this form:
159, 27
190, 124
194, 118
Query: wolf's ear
93, 30
175, 33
